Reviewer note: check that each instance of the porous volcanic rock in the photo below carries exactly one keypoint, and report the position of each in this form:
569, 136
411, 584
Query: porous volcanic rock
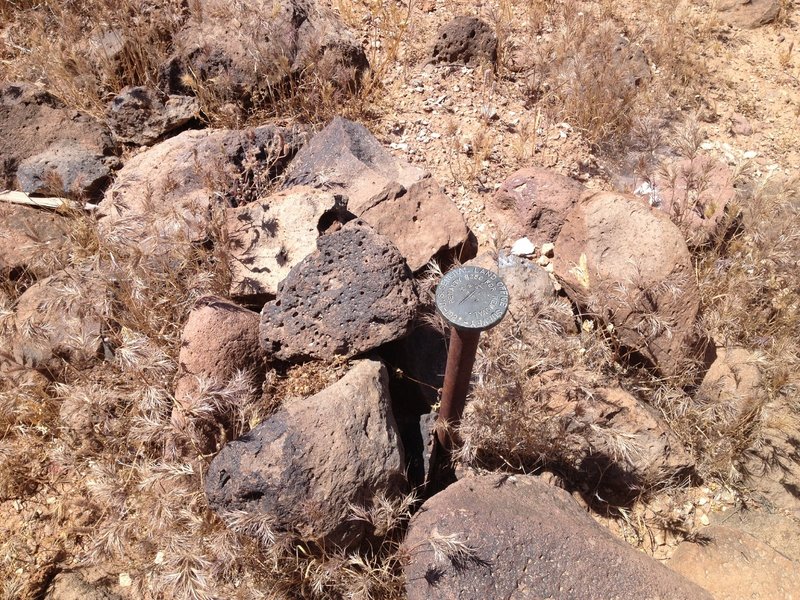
60, 319
534, 202
308, 463
466, 40
696, 195
31, 121
270, 236
64, 169
142, 115
28, 237
396, 198
219, 339
352, 295
523, 538
733, 564
168, 191
233, 48
628, 265
749, 14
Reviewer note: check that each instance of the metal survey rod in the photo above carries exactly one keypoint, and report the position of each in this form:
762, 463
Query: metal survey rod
472, 300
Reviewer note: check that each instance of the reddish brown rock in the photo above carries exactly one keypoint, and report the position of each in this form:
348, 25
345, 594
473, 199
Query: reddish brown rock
624, 444
602, 434
352, 295
60, 319
219, 339
517, 537
734, 565
168, 191
307, 464
534, 202
397, 199
422, 222
32, 241
628, 266
741, 125
696, 195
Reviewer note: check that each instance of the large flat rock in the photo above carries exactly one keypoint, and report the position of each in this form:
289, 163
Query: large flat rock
268, 237
734, 565
516, 537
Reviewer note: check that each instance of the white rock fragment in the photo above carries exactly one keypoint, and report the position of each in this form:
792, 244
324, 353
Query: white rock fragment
523, 247
548, 249
750, 154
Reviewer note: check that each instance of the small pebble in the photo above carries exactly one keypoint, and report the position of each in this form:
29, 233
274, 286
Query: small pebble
523, 247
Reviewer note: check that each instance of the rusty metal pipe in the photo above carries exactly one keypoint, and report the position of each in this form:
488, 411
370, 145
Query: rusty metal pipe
460, 360
471, 299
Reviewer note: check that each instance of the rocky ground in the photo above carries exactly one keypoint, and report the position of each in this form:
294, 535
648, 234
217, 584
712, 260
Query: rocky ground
220, 362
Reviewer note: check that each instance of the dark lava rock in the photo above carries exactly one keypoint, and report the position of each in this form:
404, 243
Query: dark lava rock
517, 537
64, 169
247, 50
346, 158
306, 465
353, 294
31, 121
466, 40
141, 115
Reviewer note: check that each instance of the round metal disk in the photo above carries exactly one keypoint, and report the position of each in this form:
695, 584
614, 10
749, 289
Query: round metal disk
472, 298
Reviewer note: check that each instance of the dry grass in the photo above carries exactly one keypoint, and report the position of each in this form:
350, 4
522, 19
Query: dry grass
127, 471
600, 67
